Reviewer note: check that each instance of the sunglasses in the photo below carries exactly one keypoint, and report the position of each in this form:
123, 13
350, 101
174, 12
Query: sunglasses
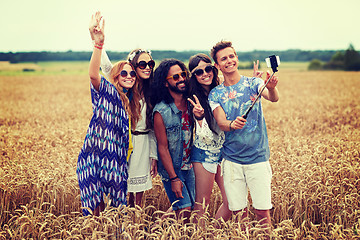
200, 72
176, 77
124, 73
143, 64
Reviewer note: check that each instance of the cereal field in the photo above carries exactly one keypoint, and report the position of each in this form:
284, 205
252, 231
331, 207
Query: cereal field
314, 135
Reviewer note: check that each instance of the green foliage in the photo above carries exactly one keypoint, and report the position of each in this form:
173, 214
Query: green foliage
352, 59
315, 64
28, 70
334, 65
336, 62
348, 61
338, 57
286, 56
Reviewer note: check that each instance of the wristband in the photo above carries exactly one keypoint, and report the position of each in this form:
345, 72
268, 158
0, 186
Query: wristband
99, 44
172, 179
230, 125
199, 118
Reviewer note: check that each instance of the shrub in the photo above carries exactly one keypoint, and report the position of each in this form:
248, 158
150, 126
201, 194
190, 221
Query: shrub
352, 59
334, 65
28, 70
315, 64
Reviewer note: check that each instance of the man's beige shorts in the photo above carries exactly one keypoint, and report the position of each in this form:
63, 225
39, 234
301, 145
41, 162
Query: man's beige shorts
239, 178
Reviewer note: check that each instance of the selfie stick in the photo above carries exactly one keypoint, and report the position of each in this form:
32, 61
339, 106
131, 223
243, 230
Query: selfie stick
273, 62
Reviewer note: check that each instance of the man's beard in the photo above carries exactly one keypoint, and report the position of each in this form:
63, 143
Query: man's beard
176, 89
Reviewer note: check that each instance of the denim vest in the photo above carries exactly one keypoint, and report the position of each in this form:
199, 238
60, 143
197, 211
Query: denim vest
172, 121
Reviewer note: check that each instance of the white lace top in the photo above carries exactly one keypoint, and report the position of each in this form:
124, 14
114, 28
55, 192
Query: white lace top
206, 139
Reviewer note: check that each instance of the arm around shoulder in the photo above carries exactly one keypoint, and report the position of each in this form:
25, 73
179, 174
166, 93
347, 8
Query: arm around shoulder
105, 64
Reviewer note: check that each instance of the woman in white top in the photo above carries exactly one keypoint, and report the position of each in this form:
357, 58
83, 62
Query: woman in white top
206, 151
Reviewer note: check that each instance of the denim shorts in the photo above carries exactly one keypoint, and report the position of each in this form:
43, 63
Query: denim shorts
187, 178
200, 155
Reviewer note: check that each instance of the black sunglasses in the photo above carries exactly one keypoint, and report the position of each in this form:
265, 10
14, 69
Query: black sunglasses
200, 72
143, 64
176, 77
124, 73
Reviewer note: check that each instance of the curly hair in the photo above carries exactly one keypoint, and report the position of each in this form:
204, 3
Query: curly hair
131, 106
159, 90
195, 88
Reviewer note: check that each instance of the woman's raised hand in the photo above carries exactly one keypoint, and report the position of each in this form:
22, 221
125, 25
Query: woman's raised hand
94, 22
97, 31
198, 110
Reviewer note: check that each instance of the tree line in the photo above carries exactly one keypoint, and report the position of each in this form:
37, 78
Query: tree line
293, 55
348, 60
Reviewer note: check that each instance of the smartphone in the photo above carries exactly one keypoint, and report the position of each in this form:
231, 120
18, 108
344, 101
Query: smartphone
273, 62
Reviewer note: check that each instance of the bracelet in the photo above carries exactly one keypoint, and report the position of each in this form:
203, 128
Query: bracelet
172, 179
99, 44
230, 125
199, 118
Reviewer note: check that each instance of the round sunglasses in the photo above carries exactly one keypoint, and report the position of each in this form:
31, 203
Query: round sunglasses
124, 73
143, 64
200, 72
176, 77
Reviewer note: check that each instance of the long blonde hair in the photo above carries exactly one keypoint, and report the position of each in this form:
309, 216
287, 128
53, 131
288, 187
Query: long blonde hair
132, 107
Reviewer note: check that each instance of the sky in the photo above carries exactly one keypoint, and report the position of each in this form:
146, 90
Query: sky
48, 25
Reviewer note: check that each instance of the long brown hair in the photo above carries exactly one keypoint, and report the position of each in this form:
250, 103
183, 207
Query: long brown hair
143, 85
197, 89
130, 99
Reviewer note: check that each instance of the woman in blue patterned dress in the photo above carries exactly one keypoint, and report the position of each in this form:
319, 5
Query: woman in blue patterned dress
102, 163
142, 165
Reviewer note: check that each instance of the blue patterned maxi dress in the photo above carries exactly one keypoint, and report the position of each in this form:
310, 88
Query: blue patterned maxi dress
102, 165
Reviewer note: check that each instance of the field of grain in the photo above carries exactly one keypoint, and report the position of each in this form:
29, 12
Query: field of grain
314, 135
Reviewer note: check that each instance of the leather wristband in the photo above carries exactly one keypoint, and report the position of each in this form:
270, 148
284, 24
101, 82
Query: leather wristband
230, 125
174, 178
199, 118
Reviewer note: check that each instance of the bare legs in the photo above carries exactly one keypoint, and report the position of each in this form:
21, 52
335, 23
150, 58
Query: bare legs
135, 199
184, 213
204, 182
223, 211
263, 216
99, 208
